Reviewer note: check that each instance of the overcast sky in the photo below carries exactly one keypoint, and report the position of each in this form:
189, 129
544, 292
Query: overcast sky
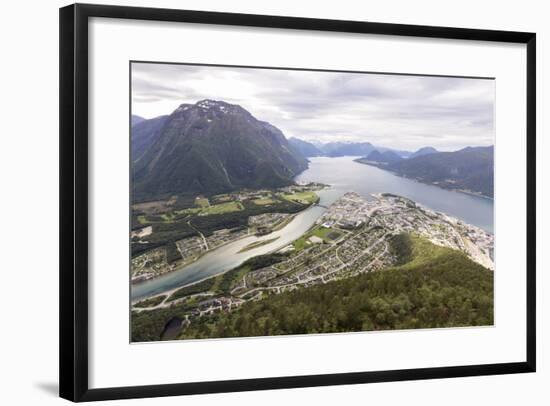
402, 112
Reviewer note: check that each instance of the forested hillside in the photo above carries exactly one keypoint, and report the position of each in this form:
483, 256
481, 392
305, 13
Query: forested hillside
429, 286
470, 168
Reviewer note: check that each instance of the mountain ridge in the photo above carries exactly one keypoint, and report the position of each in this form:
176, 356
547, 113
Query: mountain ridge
338, 149
469, 169
306, 149
135, 119
215, 147
423, 151
144, 134
386, 157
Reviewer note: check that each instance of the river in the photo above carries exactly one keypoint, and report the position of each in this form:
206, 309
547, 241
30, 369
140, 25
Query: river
344, 175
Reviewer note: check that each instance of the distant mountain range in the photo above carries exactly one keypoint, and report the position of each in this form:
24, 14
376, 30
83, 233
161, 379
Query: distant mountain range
213, 147
387, 157
304, 148
423, 151
469, 169
210, 147
400, 152
337, 149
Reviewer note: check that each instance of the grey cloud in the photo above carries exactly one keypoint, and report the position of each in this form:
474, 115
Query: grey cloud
405, 112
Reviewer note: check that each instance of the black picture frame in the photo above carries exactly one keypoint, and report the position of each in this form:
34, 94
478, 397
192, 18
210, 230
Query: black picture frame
73, 281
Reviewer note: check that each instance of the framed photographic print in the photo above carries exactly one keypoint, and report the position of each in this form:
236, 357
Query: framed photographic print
301, 202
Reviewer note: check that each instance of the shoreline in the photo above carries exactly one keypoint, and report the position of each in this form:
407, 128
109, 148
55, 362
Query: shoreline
465, 191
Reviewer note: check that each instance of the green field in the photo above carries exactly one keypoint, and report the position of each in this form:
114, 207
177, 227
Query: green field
205, 210
222, 208
327, 234
301, 197
222, 204
214, 209
263, 202
202, 202
142, 219
221, 198
167, 217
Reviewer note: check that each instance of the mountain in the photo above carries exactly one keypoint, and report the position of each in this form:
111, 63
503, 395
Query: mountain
144, 134
335, 149
136, 119
423, 151
471, 169
374, 156
214, 147
318, 144
386, 157
304, 148
402, 153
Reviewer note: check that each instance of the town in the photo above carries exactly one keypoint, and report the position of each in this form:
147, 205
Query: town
351, 237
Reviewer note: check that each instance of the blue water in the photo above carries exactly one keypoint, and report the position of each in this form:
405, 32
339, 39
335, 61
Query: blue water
344, 175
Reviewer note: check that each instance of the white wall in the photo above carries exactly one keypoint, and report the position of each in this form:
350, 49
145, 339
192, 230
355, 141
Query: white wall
29, 210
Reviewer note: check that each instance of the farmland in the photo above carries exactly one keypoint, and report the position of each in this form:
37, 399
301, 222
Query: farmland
170, 234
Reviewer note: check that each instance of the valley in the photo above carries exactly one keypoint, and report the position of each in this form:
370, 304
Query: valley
354, 236
184, 234
238, 231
